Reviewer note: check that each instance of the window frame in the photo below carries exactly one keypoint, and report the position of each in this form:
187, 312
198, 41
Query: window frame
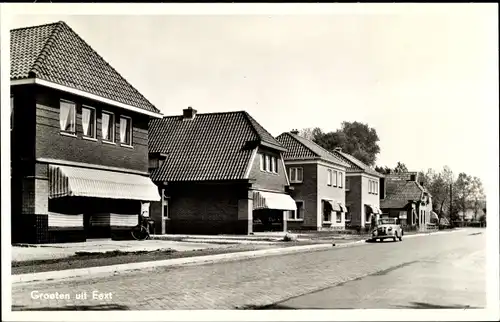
295, 171
113, 121
262, 161
329, 177
293, 213
165, 203
323, 202
95, 123
64, 132
130, 144
340, 179
334, 183
338, 215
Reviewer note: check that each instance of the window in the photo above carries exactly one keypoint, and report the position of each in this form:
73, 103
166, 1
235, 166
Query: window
299, 214
376, 187
327, 211
67, 117
296, 175
126, 130
88, 122
341, 179
166, 214
268, 163
108, 127
11, 112
347, 184
334, 178
153, 163
338, 216
329, 177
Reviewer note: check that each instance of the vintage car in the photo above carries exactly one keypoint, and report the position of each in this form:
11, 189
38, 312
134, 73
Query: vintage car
387, 228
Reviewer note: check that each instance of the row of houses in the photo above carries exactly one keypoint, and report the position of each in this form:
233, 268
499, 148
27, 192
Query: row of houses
89, 153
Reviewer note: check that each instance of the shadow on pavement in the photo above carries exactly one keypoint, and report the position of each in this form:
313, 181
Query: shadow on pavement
412, 305
422, 305
98, 307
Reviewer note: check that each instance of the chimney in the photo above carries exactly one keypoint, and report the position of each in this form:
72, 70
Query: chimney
295, 131
338, 149
188, 113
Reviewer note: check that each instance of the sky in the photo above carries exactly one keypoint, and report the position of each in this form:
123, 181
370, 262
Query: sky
426, 80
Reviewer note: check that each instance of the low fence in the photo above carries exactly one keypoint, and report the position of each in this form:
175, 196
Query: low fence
478, 224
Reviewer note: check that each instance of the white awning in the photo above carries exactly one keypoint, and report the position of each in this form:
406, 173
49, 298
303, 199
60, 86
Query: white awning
273, 200
342, 207
375, 209
82, 182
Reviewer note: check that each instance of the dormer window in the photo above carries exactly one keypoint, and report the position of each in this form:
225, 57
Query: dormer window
156, 160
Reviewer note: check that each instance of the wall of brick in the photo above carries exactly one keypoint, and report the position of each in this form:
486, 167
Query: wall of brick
267, 180
206, 209
368, 198
50, 143
305, 191
354, 199
330, 193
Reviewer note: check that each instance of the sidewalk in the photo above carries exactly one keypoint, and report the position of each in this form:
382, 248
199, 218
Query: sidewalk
30, 252
230, 255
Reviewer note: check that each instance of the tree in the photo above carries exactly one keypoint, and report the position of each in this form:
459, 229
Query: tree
438, 185
477, 196
462, 189
400, 168
355, 138
383, 169
310, 133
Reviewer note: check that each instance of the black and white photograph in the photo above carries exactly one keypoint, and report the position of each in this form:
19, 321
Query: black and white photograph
290, 162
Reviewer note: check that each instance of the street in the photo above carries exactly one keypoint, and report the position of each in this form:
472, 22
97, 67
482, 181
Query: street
438, 271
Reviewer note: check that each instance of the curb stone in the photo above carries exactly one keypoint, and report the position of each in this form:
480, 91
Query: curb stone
196, 260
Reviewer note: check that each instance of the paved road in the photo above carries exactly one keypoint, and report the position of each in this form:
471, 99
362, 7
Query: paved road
444, 270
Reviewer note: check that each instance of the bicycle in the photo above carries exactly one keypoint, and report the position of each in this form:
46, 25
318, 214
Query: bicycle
141, 231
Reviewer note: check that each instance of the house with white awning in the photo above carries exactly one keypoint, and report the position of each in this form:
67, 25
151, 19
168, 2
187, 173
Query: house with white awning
79, 141
317, 178
363, 191
219, 173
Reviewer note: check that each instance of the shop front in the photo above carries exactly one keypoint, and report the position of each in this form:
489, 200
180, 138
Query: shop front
86, 203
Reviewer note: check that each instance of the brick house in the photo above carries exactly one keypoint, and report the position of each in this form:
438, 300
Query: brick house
218, 173
405, 198
362, 186
79, 135
317, 180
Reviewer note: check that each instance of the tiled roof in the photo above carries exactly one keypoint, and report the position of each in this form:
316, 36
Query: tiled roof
212, 146
299, 148
355, 165
55, 53
399, 192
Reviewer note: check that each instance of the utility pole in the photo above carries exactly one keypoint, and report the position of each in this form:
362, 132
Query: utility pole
451, 200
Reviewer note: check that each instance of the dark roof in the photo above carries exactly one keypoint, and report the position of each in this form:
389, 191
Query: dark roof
300, 148
399, 192
55, 53
355, 165
212, 146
